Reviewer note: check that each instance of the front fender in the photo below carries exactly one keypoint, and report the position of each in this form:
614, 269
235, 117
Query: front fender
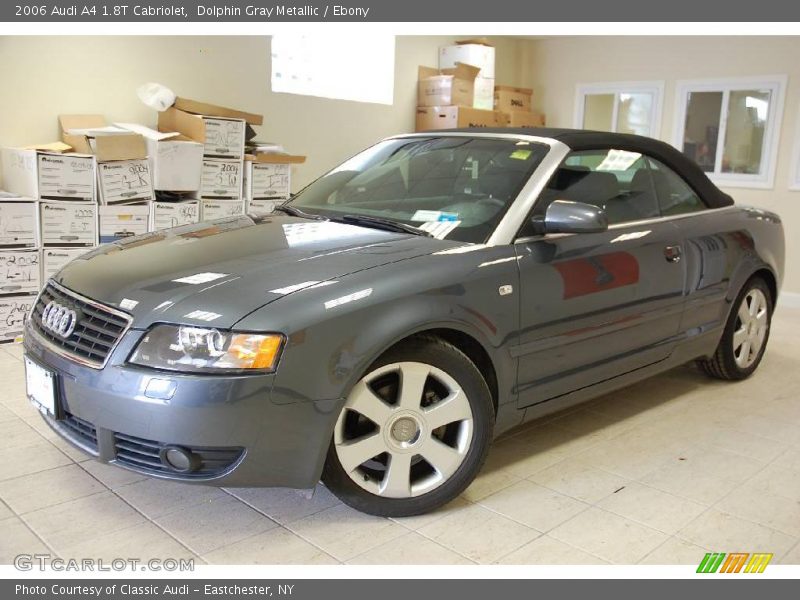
335, 331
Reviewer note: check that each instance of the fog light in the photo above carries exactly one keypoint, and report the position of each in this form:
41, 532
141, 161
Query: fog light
179, 459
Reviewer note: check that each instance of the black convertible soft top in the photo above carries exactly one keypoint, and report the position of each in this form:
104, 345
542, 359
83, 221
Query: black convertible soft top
583, 139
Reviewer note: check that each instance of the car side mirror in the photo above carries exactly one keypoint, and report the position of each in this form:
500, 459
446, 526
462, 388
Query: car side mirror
565, 216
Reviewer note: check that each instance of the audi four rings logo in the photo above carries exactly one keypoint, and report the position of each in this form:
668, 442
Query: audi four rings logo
59, 319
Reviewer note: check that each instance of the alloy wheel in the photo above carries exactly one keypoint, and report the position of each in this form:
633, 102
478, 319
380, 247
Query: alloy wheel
752, 322
405, 429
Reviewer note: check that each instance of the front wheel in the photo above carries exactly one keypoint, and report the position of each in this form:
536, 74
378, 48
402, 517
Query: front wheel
413, 432
746, 333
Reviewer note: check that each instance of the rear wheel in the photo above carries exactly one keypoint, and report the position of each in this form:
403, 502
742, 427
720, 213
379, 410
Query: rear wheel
746, 334
413, 432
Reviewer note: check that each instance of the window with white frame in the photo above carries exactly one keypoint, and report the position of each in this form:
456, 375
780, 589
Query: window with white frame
359, 68
632, 107
731, 128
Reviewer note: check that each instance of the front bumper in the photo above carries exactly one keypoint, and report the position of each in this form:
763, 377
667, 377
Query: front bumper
248, 433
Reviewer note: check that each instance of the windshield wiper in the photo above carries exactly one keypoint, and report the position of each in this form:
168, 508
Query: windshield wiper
380, 223
296, 212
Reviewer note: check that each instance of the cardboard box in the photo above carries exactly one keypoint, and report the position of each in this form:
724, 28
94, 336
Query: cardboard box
19, 271
262, 206
484, 94
219, 209
213, 110
19, 224
221, 179
451, 117
175, 160
165, 215
124, 181
13, 312
48, 175
478, 53
446, 87
221, 137
54, 259
526, 119
511, 99
122, 221
266, 180
68, 224
79, 142
90, 134
66, 177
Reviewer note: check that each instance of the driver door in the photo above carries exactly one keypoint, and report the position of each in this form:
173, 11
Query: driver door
597, 305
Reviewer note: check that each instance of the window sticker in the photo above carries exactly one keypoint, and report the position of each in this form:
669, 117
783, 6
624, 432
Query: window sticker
433, 216
520, 154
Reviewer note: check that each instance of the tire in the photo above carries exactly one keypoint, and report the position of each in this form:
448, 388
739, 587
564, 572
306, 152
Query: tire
421, 418
729, 361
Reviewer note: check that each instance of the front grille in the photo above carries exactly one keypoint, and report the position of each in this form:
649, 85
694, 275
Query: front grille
145, 455
81, 431
97, 330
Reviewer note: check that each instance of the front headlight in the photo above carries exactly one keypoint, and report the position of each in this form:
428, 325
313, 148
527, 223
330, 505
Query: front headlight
200, 350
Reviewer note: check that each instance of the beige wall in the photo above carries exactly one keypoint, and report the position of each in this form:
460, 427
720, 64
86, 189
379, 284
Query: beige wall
46, 76
553, 67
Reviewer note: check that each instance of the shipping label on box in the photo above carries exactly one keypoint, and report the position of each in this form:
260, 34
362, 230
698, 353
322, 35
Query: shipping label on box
13, 312
18, 224
221, 179
262, 206
19, 271
484, 94
122, 221
124, 181
266, 180
224, 137
219, 209
68, 224
54, 259
66, 177
174, 214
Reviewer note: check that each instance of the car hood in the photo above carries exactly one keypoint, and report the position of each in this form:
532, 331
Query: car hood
216, 273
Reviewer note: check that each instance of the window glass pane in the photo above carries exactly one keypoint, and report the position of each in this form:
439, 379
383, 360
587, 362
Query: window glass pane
617, 181
701, 128
634, 113
311, 65
598, 112
744, 132
675, 196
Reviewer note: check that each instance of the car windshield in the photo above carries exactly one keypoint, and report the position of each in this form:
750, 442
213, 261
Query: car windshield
449, 186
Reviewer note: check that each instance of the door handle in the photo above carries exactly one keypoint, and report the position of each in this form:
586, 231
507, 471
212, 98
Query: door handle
672, 254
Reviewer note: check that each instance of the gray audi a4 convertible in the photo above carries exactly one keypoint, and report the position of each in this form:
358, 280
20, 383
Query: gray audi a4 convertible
382, 326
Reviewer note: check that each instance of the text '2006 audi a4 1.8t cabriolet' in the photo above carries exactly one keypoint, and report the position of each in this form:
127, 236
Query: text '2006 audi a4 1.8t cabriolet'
380, 328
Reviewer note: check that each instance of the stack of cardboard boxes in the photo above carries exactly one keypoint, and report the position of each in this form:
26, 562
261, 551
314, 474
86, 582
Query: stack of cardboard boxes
445, 100
104, 182
223, 132
462, 92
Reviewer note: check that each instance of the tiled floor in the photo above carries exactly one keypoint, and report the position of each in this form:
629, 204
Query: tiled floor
658, 473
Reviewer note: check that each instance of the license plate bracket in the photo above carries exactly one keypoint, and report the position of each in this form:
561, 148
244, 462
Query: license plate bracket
41, 388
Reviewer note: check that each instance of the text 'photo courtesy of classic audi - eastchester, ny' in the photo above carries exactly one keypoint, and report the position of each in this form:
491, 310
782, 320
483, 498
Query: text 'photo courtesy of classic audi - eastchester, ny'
381, 327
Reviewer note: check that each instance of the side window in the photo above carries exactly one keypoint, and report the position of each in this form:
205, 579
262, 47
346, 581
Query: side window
617, 181
675, 196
